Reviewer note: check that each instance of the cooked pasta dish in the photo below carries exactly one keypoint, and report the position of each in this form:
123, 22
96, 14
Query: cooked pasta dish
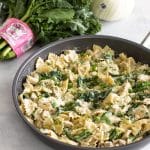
92, 98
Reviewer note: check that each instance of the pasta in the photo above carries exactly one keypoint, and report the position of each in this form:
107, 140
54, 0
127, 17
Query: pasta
90, 99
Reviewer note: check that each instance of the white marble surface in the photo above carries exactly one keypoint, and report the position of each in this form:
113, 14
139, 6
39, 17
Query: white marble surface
14, 134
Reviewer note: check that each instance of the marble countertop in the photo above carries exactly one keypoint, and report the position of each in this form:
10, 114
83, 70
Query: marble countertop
14, 134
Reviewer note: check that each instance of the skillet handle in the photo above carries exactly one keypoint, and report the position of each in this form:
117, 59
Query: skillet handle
146, 41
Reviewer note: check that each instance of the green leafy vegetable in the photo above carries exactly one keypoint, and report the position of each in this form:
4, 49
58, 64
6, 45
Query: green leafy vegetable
115, 134
70, 85
54, 75
54, 104
133, 106
59, 14
94, 96
108, 55
87, 82
51, 20
69, 106
141, 86
104, 118
147, 71
120, 79
45, 94
82, 135
94, 67
91, 82
133, 138
14, 8
141, 95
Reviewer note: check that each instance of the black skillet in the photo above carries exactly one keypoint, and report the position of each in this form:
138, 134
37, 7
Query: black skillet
135, 50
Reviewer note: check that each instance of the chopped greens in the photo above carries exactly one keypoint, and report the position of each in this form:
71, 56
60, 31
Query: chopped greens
45, 94
108, 55
78, 138
115, 134
69, 106
94, 67
94, 96
141, 95
120, 79
91, 82
88, 82
53, 75
104, 118
141, 86
133, 106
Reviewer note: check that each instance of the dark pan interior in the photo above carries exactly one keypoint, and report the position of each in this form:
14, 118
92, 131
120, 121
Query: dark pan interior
81, 43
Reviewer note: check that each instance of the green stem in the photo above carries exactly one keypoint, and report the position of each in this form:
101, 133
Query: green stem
3, 44
27, 14
10, 13
1, 40
10, 55
5, 52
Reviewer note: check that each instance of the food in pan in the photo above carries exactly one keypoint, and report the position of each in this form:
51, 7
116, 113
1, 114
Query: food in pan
94, 98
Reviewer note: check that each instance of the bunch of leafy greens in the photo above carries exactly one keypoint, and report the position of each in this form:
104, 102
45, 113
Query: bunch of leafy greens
52, 19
